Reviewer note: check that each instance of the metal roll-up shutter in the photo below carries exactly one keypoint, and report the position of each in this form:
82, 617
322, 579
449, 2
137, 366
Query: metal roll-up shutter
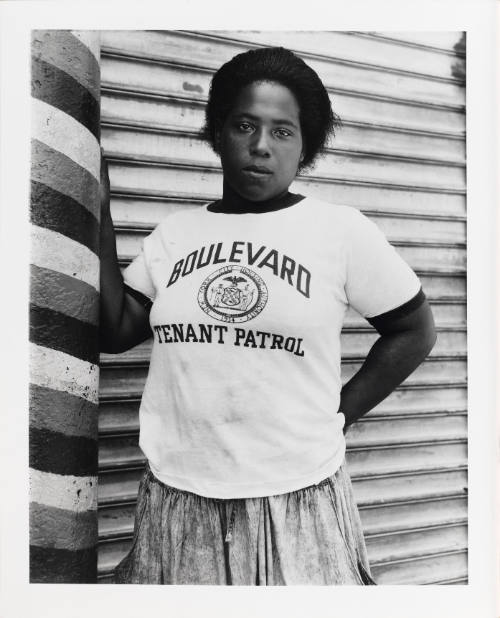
400, 158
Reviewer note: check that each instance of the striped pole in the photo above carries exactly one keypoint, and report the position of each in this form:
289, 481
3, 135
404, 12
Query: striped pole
64, 306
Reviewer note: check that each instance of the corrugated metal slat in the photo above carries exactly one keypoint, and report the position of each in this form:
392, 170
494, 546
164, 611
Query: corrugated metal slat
400, 158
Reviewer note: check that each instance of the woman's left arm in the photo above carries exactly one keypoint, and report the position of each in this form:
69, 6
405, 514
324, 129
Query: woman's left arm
403, 344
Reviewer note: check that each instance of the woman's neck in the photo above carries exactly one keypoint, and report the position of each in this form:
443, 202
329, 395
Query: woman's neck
234, 203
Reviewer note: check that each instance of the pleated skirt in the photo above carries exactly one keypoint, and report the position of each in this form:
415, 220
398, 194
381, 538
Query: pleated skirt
310, 536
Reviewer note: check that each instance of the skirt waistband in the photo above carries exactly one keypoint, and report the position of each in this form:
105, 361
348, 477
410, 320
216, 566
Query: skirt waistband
153, 479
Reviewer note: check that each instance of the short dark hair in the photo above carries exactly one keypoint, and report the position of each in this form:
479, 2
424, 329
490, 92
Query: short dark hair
280, 65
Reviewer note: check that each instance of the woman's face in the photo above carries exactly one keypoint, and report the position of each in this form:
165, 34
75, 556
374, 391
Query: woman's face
261, 141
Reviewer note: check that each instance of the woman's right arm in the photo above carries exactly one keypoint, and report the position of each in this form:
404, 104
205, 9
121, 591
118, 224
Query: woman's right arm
124, 321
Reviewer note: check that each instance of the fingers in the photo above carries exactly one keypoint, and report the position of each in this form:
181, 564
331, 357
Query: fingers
104, 188
104, 165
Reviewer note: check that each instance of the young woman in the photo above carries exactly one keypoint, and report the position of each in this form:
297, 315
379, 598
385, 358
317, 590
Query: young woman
243, 415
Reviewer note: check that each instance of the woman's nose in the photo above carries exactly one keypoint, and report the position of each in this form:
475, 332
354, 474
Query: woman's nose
260, 144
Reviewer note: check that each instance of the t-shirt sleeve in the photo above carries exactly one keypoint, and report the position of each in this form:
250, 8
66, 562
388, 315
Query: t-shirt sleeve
137, 275
377, 278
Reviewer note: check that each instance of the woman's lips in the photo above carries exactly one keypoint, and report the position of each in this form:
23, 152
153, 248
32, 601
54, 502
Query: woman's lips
257, 171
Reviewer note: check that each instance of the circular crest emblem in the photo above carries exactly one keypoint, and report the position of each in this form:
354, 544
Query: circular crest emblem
233, 294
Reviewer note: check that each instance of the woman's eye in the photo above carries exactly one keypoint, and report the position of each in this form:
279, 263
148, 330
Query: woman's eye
283, 133
244, 126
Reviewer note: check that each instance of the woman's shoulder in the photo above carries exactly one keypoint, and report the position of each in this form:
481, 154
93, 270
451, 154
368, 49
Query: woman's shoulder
179, 217
340, 214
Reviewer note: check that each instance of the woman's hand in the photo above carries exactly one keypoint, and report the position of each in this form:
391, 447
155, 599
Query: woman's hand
104, 187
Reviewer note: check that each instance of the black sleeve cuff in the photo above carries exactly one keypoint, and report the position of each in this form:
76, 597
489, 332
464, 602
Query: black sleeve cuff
142, 299
384, 319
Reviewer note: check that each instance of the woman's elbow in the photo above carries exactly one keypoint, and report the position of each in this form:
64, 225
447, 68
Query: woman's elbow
426, 329
431, 339
427, 338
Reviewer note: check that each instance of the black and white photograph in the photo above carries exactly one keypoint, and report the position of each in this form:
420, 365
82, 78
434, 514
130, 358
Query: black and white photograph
249, 313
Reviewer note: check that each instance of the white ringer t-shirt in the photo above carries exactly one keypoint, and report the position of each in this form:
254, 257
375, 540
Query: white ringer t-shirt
244, 383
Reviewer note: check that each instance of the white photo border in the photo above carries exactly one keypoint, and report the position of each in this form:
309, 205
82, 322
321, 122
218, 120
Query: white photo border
478, 19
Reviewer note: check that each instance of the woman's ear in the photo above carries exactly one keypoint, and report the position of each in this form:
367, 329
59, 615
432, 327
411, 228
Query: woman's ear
217, 137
